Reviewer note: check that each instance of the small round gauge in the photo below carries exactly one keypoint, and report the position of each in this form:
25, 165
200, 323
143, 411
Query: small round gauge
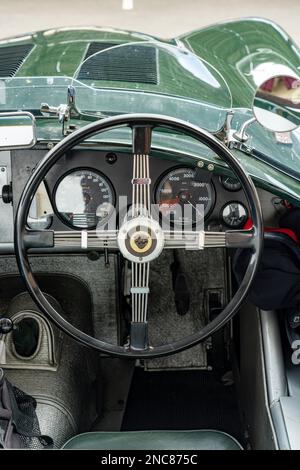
182, 198
234, 214
84, 198
231, 184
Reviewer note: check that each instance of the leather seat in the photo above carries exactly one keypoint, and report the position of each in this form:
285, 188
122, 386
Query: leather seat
154, 440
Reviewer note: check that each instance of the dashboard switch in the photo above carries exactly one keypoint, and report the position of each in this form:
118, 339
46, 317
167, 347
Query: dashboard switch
7, 194
111, 158
294, 319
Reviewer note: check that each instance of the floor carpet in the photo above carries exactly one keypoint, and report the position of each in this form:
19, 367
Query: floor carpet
181, 400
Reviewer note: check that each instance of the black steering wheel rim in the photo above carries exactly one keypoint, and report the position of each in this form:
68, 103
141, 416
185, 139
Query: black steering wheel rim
102, 126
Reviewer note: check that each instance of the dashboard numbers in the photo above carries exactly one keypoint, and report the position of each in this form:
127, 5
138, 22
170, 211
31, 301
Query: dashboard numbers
84, 198
182, 198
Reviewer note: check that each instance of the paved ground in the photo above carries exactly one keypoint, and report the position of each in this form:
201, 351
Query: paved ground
164, 18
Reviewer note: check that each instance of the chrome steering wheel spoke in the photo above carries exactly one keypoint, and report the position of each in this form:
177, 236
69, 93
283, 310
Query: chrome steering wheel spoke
141, 238
198, 240
87, 239
139, 305
141, 181
176, 239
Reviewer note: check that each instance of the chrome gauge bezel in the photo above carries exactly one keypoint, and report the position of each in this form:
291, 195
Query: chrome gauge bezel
74, 170
233, 227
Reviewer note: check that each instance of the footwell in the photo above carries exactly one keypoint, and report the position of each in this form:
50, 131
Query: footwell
180, 400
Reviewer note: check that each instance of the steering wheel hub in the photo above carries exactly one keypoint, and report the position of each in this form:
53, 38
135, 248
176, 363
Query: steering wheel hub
141, 239
141, 242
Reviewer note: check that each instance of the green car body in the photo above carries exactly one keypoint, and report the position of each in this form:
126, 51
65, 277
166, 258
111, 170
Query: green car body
235, 50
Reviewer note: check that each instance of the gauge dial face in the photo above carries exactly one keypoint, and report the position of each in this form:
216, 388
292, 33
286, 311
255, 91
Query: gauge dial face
231, 184
182, 199
84, 198
234, 214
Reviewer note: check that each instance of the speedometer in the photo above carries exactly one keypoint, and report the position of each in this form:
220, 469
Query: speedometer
84, 198
184, 198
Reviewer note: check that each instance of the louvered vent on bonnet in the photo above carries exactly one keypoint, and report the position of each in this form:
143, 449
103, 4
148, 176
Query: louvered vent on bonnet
12, 57
134, 63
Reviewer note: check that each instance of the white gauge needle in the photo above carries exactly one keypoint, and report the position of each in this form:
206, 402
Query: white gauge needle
195, 208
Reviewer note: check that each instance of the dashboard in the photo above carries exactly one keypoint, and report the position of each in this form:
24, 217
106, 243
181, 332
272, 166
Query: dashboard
86, 185
85, 198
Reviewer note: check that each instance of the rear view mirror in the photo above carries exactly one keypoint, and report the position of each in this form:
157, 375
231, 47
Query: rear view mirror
17, 130
276, 104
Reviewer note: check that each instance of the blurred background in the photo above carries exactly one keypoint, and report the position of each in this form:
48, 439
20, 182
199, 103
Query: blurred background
162, 18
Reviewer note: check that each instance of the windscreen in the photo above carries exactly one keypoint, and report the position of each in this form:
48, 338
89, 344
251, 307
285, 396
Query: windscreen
152, 77
140, 77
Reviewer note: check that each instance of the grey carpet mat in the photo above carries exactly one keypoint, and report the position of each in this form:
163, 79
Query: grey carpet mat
205, 271
99, 279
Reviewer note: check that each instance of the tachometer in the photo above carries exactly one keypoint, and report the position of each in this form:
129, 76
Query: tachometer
183, 198
84, 198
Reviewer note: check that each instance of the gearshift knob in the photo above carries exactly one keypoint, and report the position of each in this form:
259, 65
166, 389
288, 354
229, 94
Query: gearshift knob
6, 325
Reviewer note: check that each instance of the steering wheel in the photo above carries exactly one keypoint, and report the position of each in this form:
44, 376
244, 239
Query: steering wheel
140, 238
